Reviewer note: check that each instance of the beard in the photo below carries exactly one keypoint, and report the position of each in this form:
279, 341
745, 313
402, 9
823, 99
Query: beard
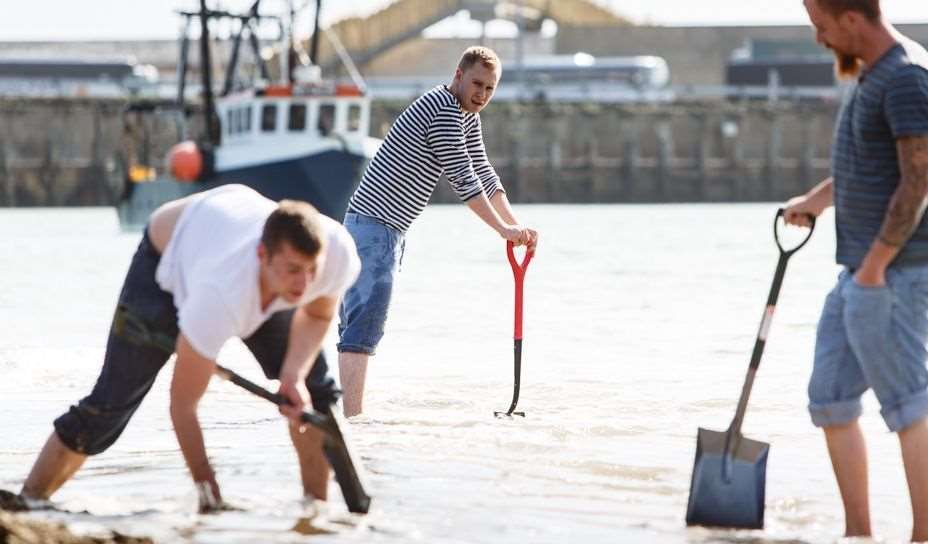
847, 66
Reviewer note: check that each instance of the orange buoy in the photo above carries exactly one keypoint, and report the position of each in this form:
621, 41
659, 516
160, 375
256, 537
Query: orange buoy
185, 161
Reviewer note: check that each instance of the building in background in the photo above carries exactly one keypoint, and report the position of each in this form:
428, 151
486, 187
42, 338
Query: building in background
408, 46
77, 78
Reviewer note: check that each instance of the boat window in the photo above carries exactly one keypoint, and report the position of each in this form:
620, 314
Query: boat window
246, 125
231, 123
297, 120
354, 117
268, 118
239, 120
326, 119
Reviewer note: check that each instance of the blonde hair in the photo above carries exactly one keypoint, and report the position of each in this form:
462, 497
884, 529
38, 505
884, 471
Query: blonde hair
483, 55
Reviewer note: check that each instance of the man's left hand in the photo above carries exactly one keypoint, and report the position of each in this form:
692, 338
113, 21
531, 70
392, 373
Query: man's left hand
297, 397
870, 276
530, 239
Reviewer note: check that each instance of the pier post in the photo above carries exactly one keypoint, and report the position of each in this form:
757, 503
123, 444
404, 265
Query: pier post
664, 133
631, 152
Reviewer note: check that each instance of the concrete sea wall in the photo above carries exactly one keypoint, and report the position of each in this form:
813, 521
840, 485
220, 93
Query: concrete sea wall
71, 152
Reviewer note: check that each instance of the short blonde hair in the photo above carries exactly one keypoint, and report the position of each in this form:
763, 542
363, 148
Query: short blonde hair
483, 55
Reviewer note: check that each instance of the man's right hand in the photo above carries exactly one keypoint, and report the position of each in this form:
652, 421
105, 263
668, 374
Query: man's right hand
798, 209
514, 234
520, 236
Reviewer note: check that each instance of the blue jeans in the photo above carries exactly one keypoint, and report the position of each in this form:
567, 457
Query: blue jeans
141, 341
873, 337
363, 311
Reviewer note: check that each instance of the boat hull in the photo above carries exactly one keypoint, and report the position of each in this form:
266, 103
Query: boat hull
326, 180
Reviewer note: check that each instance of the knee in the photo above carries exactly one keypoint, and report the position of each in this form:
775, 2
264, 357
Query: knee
827, 406
90, 431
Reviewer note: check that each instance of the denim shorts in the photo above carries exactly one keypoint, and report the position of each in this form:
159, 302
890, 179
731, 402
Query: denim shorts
363, 311
873, 337
134, 357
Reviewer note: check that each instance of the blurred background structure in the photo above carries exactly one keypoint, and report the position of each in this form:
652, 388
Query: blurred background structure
591, 108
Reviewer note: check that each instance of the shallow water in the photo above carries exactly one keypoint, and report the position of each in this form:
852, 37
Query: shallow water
639, 324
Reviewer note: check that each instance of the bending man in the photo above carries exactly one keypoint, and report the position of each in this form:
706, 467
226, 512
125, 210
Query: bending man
219, 264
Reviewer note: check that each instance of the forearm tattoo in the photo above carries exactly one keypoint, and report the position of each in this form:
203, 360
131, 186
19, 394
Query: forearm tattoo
907, 205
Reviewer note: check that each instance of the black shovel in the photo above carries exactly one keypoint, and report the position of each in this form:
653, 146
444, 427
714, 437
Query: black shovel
133, 329
730, 471
333, 445
518, 273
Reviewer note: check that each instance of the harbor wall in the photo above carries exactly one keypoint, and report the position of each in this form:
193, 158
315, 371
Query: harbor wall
70, 152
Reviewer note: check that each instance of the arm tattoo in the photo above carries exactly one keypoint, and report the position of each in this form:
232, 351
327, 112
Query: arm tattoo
907, 205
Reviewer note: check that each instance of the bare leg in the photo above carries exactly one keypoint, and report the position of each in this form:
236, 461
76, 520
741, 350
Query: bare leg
352, 370
914, 442
314, 469
848, 453
54, 466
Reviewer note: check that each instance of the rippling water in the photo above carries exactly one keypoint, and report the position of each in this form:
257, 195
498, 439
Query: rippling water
639, 323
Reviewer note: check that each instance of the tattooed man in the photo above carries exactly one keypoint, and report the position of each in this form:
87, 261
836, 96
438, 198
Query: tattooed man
874, 327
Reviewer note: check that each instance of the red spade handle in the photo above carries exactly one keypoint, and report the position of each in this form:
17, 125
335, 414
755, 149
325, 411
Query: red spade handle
518, 273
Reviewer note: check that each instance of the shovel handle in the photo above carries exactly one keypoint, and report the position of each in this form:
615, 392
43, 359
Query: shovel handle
518, 269
518, 273
766, 321
334, 446
776, 232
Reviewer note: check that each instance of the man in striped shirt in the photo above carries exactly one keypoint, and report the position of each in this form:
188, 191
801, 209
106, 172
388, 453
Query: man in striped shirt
439, 133
873, 330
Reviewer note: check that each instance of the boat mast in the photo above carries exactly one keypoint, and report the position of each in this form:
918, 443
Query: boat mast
291, 47
209, 108
182, 61
314, 47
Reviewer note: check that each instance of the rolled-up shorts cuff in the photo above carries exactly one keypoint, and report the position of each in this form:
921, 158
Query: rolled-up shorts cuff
356, 348
835, 413
907, 412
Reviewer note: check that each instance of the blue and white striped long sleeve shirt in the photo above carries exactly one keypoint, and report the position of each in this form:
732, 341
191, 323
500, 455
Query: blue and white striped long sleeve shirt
432, 136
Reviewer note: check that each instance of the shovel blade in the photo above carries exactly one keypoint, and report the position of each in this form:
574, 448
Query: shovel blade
344, 466
728, 493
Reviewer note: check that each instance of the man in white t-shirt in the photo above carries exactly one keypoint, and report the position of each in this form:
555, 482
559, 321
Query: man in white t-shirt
219, 264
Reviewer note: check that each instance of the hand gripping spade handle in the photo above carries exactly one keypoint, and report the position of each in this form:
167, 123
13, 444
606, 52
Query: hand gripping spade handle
518, 273
333, 445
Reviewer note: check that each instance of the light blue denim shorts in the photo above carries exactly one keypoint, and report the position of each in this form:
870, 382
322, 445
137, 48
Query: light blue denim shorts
873, 337
363, 311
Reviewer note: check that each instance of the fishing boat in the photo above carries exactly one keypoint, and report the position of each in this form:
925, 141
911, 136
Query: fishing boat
298, 137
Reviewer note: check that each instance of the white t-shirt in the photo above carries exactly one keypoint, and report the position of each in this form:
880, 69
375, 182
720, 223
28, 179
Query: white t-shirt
211, 267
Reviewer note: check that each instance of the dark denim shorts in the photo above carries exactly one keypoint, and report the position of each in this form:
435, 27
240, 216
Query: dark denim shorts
130, 366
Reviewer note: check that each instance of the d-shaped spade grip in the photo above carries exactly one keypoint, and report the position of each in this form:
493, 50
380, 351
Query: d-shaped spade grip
518, 274
761, 341
776, 232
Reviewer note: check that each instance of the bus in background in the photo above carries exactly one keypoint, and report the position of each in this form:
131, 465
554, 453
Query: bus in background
97, 78
580, 77
583, 77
